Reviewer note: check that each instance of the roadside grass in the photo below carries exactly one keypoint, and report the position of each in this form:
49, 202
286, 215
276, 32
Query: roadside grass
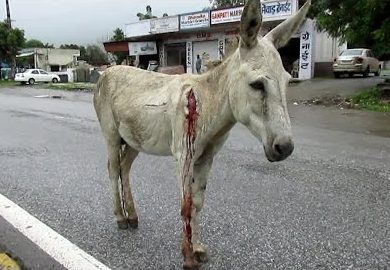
70, 86
371, 100
55, 86
8, 83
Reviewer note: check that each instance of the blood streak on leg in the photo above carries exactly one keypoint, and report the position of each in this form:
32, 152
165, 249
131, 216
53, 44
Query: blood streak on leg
187, 204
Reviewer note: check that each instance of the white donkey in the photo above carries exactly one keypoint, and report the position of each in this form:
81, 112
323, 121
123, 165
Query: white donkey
189, 117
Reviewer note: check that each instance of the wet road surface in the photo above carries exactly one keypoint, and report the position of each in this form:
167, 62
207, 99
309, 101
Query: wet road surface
326, 207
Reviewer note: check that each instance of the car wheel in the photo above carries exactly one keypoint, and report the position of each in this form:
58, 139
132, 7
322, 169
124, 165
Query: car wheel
31, 81
378, 72
55, 80
366, 72
336, 75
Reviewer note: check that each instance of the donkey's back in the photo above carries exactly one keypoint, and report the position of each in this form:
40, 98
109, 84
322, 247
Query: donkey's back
135, 106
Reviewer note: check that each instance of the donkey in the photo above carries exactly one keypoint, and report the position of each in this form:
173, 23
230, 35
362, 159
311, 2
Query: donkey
190, 116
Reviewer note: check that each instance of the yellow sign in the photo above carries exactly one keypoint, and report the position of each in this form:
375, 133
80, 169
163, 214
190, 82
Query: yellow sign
6, 263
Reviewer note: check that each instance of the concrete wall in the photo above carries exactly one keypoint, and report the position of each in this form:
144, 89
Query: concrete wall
64, 58
326, 50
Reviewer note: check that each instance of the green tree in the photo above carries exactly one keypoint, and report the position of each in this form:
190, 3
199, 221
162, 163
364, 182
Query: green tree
70, 46
119, 36
50, 46
95, 56
83, 53
226, 3
34, 43
11, 42
362, 23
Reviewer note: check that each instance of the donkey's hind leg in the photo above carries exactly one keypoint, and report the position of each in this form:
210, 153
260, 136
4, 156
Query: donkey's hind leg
114, 152
128, 156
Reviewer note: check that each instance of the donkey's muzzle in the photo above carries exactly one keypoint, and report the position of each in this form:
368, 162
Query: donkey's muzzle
282, 147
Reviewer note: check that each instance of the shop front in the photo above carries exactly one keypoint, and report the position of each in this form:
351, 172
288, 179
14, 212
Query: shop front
192, 40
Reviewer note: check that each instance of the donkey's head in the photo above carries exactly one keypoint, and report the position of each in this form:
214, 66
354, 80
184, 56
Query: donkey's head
258, 81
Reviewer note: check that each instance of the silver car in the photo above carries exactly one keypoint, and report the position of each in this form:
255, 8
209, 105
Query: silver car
356, 61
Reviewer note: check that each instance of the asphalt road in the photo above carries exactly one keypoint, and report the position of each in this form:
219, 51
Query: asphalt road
326, 207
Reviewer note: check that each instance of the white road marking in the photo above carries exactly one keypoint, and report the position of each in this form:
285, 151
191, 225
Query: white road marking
58, 247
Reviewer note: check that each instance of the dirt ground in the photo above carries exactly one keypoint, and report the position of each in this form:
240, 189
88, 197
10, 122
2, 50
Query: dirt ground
319, 87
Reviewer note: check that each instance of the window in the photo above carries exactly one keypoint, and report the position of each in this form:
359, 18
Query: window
352, 52
55, 68
43, 72
34, 72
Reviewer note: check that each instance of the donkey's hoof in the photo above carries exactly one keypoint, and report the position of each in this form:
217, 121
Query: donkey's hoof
190, 264
201, 256
200, 252
122, 225
133, 223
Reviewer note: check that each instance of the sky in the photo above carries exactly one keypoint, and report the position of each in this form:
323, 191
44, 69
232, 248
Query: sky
85, 21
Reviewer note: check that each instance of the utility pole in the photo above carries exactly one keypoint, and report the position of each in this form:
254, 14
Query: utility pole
8, 14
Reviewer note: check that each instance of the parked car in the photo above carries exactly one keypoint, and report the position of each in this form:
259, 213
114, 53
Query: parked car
356, 61
31, 76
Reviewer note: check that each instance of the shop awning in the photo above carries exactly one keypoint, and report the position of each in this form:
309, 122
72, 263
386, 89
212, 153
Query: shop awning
25, 54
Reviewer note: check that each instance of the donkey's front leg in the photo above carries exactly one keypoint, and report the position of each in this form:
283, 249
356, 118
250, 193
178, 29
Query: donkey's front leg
188, 210
201, 172
193, 179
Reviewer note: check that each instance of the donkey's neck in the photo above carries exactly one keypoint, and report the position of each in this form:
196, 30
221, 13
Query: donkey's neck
216, 114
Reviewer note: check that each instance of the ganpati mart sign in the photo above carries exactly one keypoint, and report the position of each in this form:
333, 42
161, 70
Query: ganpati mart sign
271, 10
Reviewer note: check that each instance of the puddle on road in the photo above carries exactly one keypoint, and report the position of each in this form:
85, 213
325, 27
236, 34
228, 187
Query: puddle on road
20, 114
49, 96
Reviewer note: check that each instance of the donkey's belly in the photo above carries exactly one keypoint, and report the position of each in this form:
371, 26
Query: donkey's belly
154, 139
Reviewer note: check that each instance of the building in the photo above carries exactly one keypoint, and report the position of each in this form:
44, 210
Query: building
209, 35
50, 59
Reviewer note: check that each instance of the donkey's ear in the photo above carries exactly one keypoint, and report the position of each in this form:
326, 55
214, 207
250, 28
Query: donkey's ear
250, 23
281, 34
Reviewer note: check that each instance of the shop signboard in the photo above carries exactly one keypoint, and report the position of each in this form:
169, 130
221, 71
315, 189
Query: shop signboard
142, 48
271, 10
189, 56
306, 50
195, 20
164, 25
226, 15
137, 29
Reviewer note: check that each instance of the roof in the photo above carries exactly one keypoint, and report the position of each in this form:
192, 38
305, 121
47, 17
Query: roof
122, 45
25, 54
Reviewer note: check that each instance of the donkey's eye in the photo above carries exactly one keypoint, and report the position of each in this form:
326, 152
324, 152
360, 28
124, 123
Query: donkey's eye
258, 85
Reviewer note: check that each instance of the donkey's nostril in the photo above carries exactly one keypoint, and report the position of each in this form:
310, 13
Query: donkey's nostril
283, 147
278, 149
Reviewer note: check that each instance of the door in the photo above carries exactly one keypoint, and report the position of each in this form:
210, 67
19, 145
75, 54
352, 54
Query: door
44, 76
203, 52
35, 75
176, 55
